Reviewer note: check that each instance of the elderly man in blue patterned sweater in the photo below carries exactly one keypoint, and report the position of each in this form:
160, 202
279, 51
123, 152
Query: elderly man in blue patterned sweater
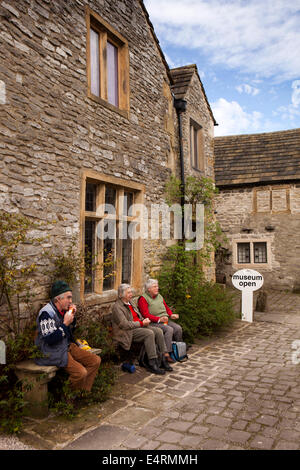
55, 339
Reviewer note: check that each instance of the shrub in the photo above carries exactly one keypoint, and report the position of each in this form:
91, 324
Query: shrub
203, 307
17, 328
12, 402
94, 330
67, 402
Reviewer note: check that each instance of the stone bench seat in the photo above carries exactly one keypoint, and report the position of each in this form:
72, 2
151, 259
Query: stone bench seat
35, 380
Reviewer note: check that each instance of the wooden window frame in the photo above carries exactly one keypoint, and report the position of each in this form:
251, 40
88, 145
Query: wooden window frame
271, 190
120, 185
107, 32
198, 162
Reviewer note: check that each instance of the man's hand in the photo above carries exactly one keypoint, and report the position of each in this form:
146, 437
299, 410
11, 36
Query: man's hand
163, 319
69, 317
146, 322
174, 316
74, 308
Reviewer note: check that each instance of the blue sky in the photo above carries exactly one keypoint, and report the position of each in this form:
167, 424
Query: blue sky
247, 53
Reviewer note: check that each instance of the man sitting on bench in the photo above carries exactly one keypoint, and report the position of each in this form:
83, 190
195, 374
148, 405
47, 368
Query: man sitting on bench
56, 322
128, 326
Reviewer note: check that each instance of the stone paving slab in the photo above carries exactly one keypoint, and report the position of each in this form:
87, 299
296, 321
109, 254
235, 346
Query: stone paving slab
240, 390
244, 395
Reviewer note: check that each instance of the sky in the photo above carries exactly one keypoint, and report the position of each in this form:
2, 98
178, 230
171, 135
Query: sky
247, 53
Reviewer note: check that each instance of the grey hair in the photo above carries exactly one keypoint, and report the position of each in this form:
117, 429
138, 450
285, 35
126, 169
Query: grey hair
122, 288
150, 283
60, 296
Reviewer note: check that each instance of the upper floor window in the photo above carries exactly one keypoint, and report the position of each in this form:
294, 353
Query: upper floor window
196, 146
272, 199
107, 63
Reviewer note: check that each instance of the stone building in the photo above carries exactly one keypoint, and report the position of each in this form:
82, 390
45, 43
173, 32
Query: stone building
258, 206
88, 119
197, 124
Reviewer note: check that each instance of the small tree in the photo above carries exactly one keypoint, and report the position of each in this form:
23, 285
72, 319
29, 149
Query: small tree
202, 306
16, 268
198, 191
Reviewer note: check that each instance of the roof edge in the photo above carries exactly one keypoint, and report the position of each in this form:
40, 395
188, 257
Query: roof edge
256, 134
141, 2
243, 184
194, 66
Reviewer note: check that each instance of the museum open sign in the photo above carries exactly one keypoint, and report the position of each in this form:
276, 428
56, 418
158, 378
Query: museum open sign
247, 281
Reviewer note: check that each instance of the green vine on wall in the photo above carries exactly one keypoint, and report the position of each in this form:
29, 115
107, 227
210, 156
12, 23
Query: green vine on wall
200, 190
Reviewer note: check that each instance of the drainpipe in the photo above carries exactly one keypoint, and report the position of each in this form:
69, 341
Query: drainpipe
180, 106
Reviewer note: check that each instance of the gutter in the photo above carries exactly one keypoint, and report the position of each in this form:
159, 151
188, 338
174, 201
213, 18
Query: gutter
180, 106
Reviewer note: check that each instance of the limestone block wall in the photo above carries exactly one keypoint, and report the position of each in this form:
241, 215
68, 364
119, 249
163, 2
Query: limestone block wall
268, 214
50, 131
197, 110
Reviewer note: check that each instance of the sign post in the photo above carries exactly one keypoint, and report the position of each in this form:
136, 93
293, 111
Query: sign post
247, 280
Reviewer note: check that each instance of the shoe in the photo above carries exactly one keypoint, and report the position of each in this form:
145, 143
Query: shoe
165, 365
153, 367
169, 359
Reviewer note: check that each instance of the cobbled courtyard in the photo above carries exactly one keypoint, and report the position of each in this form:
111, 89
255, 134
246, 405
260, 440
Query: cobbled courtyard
239, 391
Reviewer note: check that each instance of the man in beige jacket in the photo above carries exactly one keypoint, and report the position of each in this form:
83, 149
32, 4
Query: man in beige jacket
129, 326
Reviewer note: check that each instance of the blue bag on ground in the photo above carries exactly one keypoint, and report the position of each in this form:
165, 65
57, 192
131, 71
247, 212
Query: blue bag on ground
127, 367
179, 351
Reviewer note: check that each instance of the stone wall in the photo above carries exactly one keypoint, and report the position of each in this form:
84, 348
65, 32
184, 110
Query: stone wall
268, 213
197, 110
50, 130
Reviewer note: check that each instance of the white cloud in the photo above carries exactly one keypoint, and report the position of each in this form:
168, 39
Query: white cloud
172, 64
245, 88
291, 111
257, 37
296, 93
233, 119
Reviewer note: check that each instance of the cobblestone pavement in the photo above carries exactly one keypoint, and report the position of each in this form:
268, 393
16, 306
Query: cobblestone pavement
240, 391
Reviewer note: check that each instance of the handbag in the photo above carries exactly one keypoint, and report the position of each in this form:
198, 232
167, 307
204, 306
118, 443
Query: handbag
179, 351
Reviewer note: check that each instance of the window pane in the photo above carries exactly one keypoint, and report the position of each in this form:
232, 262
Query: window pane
110, 198
126, 257
95, 63
108, 259
89, 255
192, 144
128, 201
195, 148
243, 252
90, 197
112, 74
260, 252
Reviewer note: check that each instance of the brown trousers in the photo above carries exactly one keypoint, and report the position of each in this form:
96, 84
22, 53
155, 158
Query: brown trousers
82, 367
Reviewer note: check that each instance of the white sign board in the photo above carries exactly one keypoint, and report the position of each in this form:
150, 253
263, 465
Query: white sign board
247, 280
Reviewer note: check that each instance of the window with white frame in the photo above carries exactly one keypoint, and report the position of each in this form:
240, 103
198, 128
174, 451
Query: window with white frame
252, 252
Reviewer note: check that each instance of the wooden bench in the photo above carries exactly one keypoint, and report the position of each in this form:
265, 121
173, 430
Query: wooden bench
35, 380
